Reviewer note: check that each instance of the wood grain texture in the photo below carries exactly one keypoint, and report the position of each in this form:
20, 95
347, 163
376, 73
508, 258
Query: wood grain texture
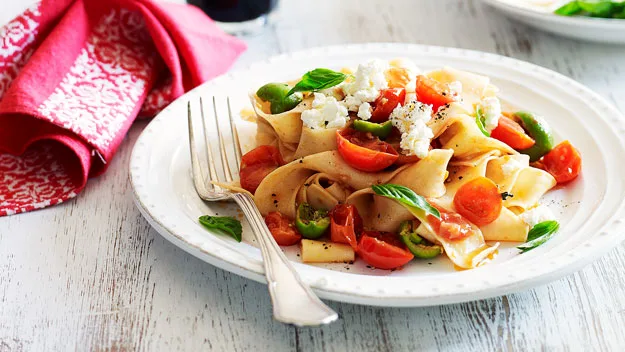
92, 275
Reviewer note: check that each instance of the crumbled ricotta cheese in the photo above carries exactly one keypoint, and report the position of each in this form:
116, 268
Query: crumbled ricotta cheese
417, 140
511, 166
326, 112
491, 111
537, 215
403, 117
411, 120
455, 88
369, 79
364, 111
368, 76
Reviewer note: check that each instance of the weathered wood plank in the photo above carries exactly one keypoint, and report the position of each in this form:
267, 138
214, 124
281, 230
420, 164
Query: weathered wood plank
92, 275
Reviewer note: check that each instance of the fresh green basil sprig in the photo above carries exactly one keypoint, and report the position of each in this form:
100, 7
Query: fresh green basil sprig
408, 198
318, 79
227, 224
539, 234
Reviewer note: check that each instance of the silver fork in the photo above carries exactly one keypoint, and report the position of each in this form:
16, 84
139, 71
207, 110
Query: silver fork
293, 301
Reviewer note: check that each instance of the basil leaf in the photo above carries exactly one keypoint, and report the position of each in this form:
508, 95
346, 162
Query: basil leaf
479, 120
226, 224
569, 9
318, 79
539, 234
406, 197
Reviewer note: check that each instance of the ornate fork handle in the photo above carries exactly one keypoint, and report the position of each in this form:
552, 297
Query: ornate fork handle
293, 301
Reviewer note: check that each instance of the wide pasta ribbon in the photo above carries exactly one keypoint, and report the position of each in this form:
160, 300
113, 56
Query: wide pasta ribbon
425, 177
525, 184
280, 189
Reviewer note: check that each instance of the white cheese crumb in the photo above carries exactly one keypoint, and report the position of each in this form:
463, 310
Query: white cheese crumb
326, 112
403, 117
491, 111
369, 79
417, 140
511, 166
411, 120
455, 88
537, 215
364, 111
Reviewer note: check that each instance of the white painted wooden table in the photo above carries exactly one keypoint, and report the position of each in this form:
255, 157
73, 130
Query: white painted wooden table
92, 275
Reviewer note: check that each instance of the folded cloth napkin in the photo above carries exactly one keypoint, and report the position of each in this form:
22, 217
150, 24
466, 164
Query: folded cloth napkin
74, 74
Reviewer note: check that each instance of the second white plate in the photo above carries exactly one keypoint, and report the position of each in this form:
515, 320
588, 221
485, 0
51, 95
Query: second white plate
585, 28
589, 209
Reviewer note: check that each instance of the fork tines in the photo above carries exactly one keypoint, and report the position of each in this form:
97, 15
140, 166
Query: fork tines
228, 147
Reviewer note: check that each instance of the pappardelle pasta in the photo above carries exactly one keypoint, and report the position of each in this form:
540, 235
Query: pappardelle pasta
386, 163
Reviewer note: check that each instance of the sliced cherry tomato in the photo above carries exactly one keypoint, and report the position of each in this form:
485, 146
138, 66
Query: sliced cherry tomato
386, 103
382, 254
345, 225
451, 226
511, 133
479, 201
388, 237
257, 164
282, 229
364, 151
431, 91
563, 162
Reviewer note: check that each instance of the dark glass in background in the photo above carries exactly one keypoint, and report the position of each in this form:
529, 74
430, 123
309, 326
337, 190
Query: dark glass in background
235, 10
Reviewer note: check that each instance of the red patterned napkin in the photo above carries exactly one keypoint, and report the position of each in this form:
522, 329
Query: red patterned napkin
75, 74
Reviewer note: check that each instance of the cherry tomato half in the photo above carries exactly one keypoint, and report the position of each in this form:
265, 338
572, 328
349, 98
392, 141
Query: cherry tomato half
431, 91
451, 226
364, 151
282, 229
345, 224
563, 162
479, 201
257, 164
382, 255
388, 237
386, 103
511, 133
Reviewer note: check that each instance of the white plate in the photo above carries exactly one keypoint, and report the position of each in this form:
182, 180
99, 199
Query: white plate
586, 28
589, 209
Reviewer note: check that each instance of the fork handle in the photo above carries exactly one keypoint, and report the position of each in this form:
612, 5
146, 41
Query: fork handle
293, 301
